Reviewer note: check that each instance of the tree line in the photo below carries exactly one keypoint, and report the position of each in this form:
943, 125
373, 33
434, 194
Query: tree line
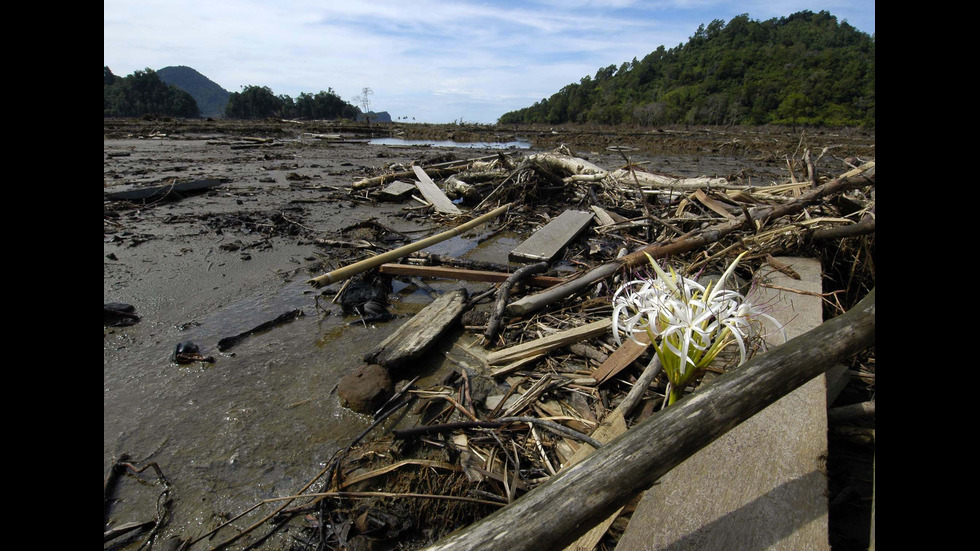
256, 102
143, 93
806, 68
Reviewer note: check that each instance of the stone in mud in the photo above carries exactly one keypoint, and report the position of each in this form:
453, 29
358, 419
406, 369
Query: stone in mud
117, 314
366, 389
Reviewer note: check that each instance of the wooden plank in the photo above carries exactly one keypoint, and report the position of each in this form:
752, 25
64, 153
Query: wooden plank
547, 242
544, 344
396, 191
514, 366
420, 333
433, 194
603, 216
445, 272
622, 358
712, 204
761, 485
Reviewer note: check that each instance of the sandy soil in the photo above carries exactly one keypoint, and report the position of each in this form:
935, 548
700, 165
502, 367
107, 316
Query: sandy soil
264, 418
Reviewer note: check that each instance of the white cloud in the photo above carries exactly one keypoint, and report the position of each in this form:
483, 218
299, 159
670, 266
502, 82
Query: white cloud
436, 60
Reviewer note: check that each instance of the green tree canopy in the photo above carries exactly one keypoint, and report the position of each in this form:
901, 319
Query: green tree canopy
807, 68
253, 102
256, 102
143, 93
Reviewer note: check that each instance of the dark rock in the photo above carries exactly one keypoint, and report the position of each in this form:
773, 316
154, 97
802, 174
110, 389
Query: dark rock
187, 352
366, 389
367, 297
117, 314
475, 318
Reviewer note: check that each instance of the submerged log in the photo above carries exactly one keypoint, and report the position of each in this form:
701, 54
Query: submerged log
570, 503
171, 192
229, 342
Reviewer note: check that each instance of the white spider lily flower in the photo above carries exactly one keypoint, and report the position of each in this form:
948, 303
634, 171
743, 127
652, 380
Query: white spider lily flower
687, 323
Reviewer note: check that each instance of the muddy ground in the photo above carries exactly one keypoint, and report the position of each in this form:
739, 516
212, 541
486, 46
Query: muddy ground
264, 418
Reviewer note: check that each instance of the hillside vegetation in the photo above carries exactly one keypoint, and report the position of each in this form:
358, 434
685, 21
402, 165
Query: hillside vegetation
807, 68
143, 93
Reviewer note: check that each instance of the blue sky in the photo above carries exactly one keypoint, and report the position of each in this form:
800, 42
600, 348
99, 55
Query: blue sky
432, 60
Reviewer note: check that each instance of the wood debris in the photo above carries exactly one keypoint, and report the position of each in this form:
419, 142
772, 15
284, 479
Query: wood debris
505, 420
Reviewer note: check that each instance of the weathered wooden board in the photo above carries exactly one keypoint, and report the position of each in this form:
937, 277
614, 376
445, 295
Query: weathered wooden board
555, 340
604, 218
433, 194
761, 485
396, 191
420, 333
622, 358
547, 242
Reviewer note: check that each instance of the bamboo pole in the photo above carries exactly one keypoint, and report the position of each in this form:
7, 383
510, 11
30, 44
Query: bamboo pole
341, 274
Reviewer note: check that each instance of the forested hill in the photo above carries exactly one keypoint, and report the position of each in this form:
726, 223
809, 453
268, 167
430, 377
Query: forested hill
807, 68
210, 97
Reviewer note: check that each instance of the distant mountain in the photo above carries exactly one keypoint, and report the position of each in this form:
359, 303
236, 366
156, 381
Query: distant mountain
807, 68
211, 98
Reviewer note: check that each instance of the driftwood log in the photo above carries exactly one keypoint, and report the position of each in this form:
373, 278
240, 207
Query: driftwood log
569, 504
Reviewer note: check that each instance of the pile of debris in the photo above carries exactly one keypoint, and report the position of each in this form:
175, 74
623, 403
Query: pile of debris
543, 381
